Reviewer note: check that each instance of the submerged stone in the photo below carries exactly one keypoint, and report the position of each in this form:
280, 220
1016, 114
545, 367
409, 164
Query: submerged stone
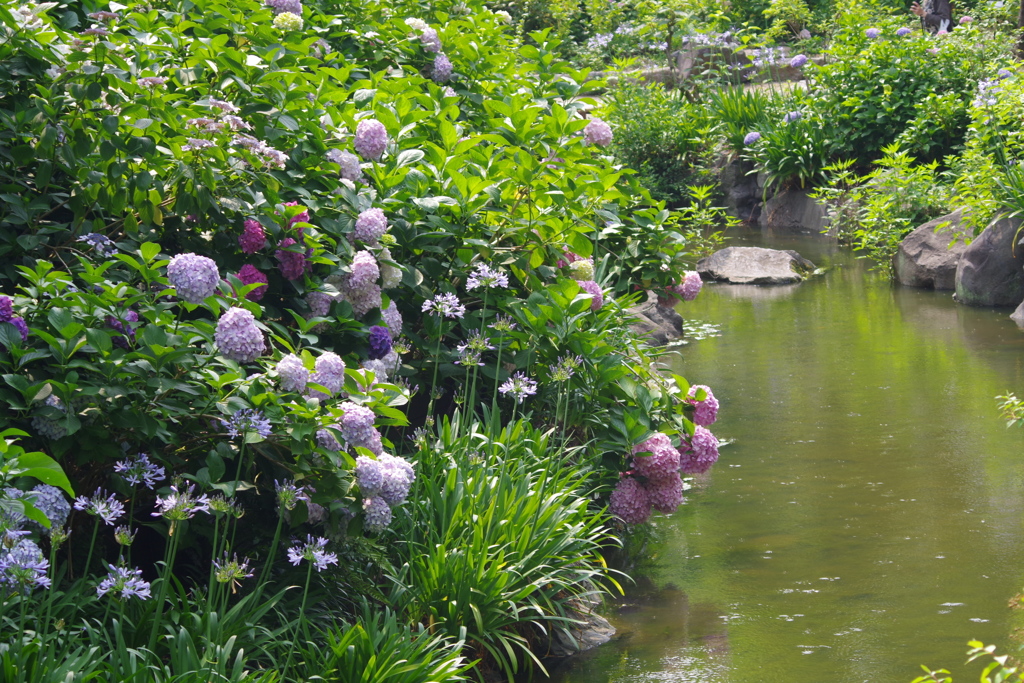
755, 266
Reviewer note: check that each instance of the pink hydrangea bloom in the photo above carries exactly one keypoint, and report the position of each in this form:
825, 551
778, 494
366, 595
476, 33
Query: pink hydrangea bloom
594, 290
249, 274
253, 237
701, 454
706, 411
630, 502
666, 494
663, 461
371, 139
370, 225
597, 133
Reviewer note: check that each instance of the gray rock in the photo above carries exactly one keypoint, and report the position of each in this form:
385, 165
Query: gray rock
928, 257
792, 211
591, 631
1018, 315
991, 268
755, 266
659, 324
694, 61
742, 191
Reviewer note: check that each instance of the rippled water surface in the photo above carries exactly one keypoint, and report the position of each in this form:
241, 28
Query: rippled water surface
867, 518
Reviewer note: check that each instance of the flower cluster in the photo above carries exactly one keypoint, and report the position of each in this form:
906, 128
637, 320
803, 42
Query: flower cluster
630, 501
237, 336
384, 483
582, 269
328, 372
292, 262
288, 21
798, 61
181, 505
380, 342
107, 507
250, 275
7, 316
312, 551
595, 292
371, 139
103, 245
873, 33
359, 288
750, 138
444, 306
766, 56
487, 277
122, 582
660, 469
350, 168
47, 499
441, 71
701, 453
289, 495
270, 156
194, 277
253, 237
430, 41
279, 6
393, 319
390, 275
597, 132
231, 571
904, 31
356, 427
140, 470
705, 411
246, 421
51, 427
23, 567
123, 325
370, 225
792, 116
519, 386
292, 373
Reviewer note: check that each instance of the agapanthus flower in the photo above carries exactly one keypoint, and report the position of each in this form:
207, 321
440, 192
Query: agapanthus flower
292, 263
312, 551
253, 237
378, 514
594, 290
380, 342
503, 323
903, 31
798, 61
444, 305
441, 70
250, 275
370, 225
792, 116
181, 505
476, 343
393, 319
124, 536
663, 460
140, 470
350, 168
630, 502
430, 41
107, 507
565, 368
248, 420
665, 494
582, 269
288, 21
468, 357
706, 411
329, 372
279, 6
103, 245
194, 277
122, 582
597, 132
519, 386
237, 336
231, 571
371, 139
220, 505
24, 567
751, 137
292, 373
486, 277
289, 494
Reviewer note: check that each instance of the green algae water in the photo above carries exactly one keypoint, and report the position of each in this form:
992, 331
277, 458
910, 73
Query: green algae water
867, 517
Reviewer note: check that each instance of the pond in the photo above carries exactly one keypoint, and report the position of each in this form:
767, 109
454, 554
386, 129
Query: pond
867, 517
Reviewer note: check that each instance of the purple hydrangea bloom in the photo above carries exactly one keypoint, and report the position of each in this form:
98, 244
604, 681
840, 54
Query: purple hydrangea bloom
325, 439
594, 290
365, 272
630, 502
442, 69
107, 508
250, 274
690, 287
663, 460
103, 245
19, 322
666, 494
430, 40
51, 502
248, 420
279, 6
706, 411
140, 470
319, 304
519, 386
371, 139
1004, 73
597, 133
292, 263
312, 551
292, 373
873, 33
798, 61
370, 225
123, 325
445, 306
329, 372
378, 514
194, 277
237, 336
398, 477
6, 309
751, 137
24, 567
302, 217
904, 31
393, 319
356, 427
123, 582
253, 237
487, 277
792, 116
369, 476
380, 342
350, 169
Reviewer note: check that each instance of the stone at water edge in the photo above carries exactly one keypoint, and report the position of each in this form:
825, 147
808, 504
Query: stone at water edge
925, 257
793, 211
755, 266
1018, 315
659, 324
991, 268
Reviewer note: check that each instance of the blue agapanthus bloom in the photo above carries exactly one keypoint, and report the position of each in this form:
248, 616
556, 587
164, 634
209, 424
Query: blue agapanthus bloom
248, 420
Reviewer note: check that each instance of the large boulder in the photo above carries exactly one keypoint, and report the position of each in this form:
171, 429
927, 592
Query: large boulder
742, 191
755, 266
1018, 315
792, 211
991, 268
928, 256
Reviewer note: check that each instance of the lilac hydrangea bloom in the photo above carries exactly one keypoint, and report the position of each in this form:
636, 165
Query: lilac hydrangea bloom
312, 551
369, 476
798, 61
356, 426
873, 33
486, 277
237, 336
442, 68
24, 567
1004, 73
630, 502
370, 225
107, 508
666, 494
380, 342
247, 420
194, 277
292, 263
292, 373
325, 439
378, 514
365, 272
444, 305
51, 502
430, 40
597, 132
519, 386
751, 137
249, 275
663, 460
319, 304
140, 470
253, 237
393, 319
904, 31
398, 477
706, 411
122, 582
594, 290
371, 139
293, 6
329, 372
350, 169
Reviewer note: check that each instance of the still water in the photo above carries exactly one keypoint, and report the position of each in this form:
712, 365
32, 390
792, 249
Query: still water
867, 517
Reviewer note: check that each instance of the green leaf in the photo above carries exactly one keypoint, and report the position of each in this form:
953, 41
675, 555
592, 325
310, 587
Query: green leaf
44, 468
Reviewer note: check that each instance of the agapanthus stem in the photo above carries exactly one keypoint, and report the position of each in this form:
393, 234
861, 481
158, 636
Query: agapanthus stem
299, 623
165, 578
92, 544
433, 381
494, 393
272, 553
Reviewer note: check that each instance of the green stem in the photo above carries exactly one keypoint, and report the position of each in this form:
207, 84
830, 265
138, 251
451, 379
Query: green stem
494, 392
272, 554
92, 544
216, 543
301, 621
433, 381
172, 549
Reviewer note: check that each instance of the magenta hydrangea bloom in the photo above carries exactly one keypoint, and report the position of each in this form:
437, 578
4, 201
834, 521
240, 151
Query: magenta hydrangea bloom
393, 319
292, 263
430, 40
442, 69
371, 139
706, 411
378, 514
630, 502
666, 494
194, 277
597, 133
292, 373
691, 286
249, 274
299, 217
329, 372
237, 336
594, 290
701, 454
370, 225
253, 237
663, 460
380, 342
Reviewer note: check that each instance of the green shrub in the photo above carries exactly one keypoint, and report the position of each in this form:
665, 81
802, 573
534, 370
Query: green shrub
792, 152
